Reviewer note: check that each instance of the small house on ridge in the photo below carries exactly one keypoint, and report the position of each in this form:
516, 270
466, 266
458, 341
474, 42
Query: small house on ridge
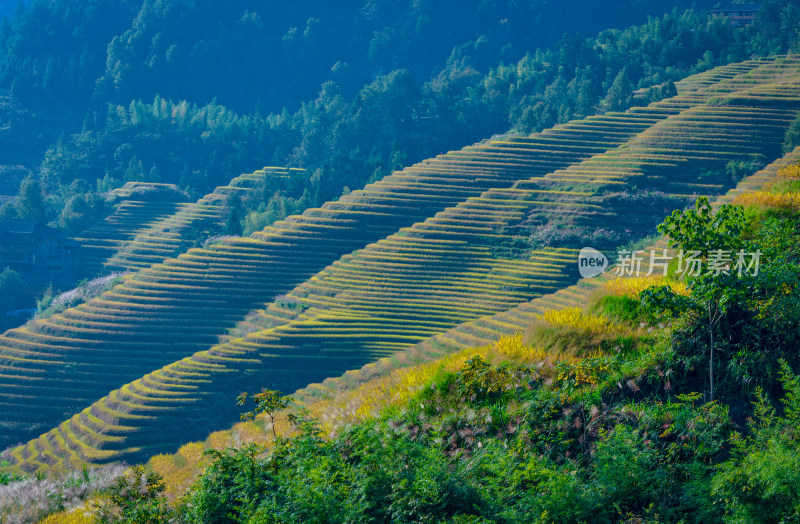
739, 14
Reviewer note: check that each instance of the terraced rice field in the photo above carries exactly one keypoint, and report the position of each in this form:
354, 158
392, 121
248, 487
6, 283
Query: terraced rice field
176, 233
132, 213
411, 260
490, 328
141, 232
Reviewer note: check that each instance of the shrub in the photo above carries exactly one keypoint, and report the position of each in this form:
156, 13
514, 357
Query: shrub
235, 481
135, 496
738, 170
761, 482
479, 380
626, 472
621, 296
8, 478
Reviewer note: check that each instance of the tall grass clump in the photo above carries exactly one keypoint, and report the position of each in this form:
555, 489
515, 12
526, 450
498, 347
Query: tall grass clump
781, 194
32, 499
50, 305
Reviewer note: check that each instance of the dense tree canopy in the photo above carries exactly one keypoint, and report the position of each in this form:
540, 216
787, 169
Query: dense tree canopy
197, 92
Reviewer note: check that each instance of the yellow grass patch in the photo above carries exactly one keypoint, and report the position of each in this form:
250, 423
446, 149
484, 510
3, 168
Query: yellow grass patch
631, 287
399, 386
76, 516
577, 318
790, 172
763, 199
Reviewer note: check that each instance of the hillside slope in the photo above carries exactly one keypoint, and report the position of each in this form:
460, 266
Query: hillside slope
361, 395
448, 269
136, 206
198, 221
152, 222
491, 328
172, 310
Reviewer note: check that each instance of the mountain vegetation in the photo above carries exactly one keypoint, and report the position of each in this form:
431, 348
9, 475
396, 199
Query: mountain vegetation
391, 325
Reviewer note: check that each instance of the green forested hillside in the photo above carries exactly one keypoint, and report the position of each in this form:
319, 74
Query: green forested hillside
138, 98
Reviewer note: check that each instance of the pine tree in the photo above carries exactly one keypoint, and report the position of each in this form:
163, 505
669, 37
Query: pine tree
620, 94
29, 203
